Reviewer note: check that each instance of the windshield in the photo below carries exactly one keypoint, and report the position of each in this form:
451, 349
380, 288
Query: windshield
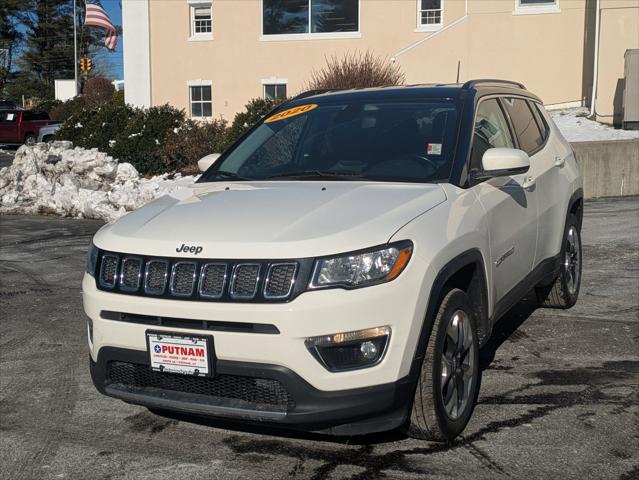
409, 141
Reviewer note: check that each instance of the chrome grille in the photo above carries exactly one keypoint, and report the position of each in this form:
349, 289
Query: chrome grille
157, 272
183, 279
108, 270
244, 282
130, 274
280, 280
202, 279
212, 280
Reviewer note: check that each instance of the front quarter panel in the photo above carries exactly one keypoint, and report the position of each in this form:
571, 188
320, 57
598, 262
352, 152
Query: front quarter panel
441, 235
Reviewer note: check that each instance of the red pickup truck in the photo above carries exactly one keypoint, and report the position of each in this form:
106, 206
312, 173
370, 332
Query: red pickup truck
21, 126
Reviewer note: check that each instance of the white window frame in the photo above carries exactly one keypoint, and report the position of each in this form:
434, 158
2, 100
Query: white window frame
199, 83
429, 27
199, 37
287, 37
273, 81
539, 9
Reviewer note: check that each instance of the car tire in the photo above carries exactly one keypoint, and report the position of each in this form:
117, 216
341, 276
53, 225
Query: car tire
439, 413
30, 139
564, 290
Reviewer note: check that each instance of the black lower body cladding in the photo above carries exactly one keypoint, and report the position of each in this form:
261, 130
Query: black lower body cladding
249, 392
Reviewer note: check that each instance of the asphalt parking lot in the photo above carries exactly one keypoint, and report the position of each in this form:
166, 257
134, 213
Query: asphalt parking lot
6, 155
559, 395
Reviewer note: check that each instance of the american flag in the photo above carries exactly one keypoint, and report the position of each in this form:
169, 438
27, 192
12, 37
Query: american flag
98, 17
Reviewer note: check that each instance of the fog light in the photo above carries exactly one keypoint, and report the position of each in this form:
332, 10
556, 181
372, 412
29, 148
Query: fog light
369, 350
350, 350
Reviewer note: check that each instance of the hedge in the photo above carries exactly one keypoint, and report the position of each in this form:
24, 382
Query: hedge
154, 140
129, 134
184, 146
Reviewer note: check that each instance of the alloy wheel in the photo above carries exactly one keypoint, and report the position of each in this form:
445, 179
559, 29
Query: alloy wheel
457, 365
572, 260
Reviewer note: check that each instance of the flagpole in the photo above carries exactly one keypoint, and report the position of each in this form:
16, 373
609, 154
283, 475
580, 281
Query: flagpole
75, 46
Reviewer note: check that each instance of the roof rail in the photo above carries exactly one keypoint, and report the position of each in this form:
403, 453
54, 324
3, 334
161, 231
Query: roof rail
473, 83
317, 91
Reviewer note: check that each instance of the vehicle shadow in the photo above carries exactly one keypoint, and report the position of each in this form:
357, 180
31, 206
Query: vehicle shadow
516, 192
503, 330
282, 432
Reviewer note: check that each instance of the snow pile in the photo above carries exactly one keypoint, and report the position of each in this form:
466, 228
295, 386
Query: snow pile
577, 128
77, 182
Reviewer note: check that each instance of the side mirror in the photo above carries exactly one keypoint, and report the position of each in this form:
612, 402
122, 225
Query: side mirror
504, 162
205, 162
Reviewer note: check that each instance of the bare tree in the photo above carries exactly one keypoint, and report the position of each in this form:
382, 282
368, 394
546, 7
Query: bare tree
356, 70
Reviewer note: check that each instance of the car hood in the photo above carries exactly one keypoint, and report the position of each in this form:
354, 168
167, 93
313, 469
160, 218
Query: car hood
261, 220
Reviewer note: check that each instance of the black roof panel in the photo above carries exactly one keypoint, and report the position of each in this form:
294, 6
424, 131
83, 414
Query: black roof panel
399, 92
453, 90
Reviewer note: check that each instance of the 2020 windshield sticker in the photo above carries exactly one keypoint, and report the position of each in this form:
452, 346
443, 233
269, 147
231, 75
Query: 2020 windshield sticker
291, 112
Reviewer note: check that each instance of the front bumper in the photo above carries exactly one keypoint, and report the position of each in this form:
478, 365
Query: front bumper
350, 402
347, 412
399, 304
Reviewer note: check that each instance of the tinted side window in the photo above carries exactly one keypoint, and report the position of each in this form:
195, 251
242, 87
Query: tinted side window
541, 121
9, 117
526, 128
40, 116
491, 131
32, 116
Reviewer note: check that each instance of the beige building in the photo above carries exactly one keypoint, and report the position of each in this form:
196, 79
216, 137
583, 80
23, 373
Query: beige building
211, 56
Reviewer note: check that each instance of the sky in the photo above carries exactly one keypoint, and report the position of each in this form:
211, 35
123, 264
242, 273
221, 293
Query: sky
114, 9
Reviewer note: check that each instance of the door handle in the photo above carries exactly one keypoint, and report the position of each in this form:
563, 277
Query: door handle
529, 182
559, 161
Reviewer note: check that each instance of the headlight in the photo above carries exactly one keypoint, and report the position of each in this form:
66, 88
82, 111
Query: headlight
92, 259
361, 269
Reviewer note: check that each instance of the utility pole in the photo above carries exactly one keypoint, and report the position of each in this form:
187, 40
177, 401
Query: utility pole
75, 45
595, 73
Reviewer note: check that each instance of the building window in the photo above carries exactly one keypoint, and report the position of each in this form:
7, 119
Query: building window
275, 91
429, 13
201, 105
310, 17
525, 7
201, 20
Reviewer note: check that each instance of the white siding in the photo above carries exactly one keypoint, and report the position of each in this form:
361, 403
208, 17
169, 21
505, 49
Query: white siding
137, 67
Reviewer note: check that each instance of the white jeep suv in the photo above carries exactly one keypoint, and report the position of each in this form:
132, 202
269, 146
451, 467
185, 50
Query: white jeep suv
340, 266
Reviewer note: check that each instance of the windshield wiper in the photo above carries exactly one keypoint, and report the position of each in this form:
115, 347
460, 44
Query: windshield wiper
224, 174
312, 174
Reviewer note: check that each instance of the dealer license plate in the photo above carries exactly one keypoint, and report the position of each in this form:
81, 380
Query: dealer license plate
173, 353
